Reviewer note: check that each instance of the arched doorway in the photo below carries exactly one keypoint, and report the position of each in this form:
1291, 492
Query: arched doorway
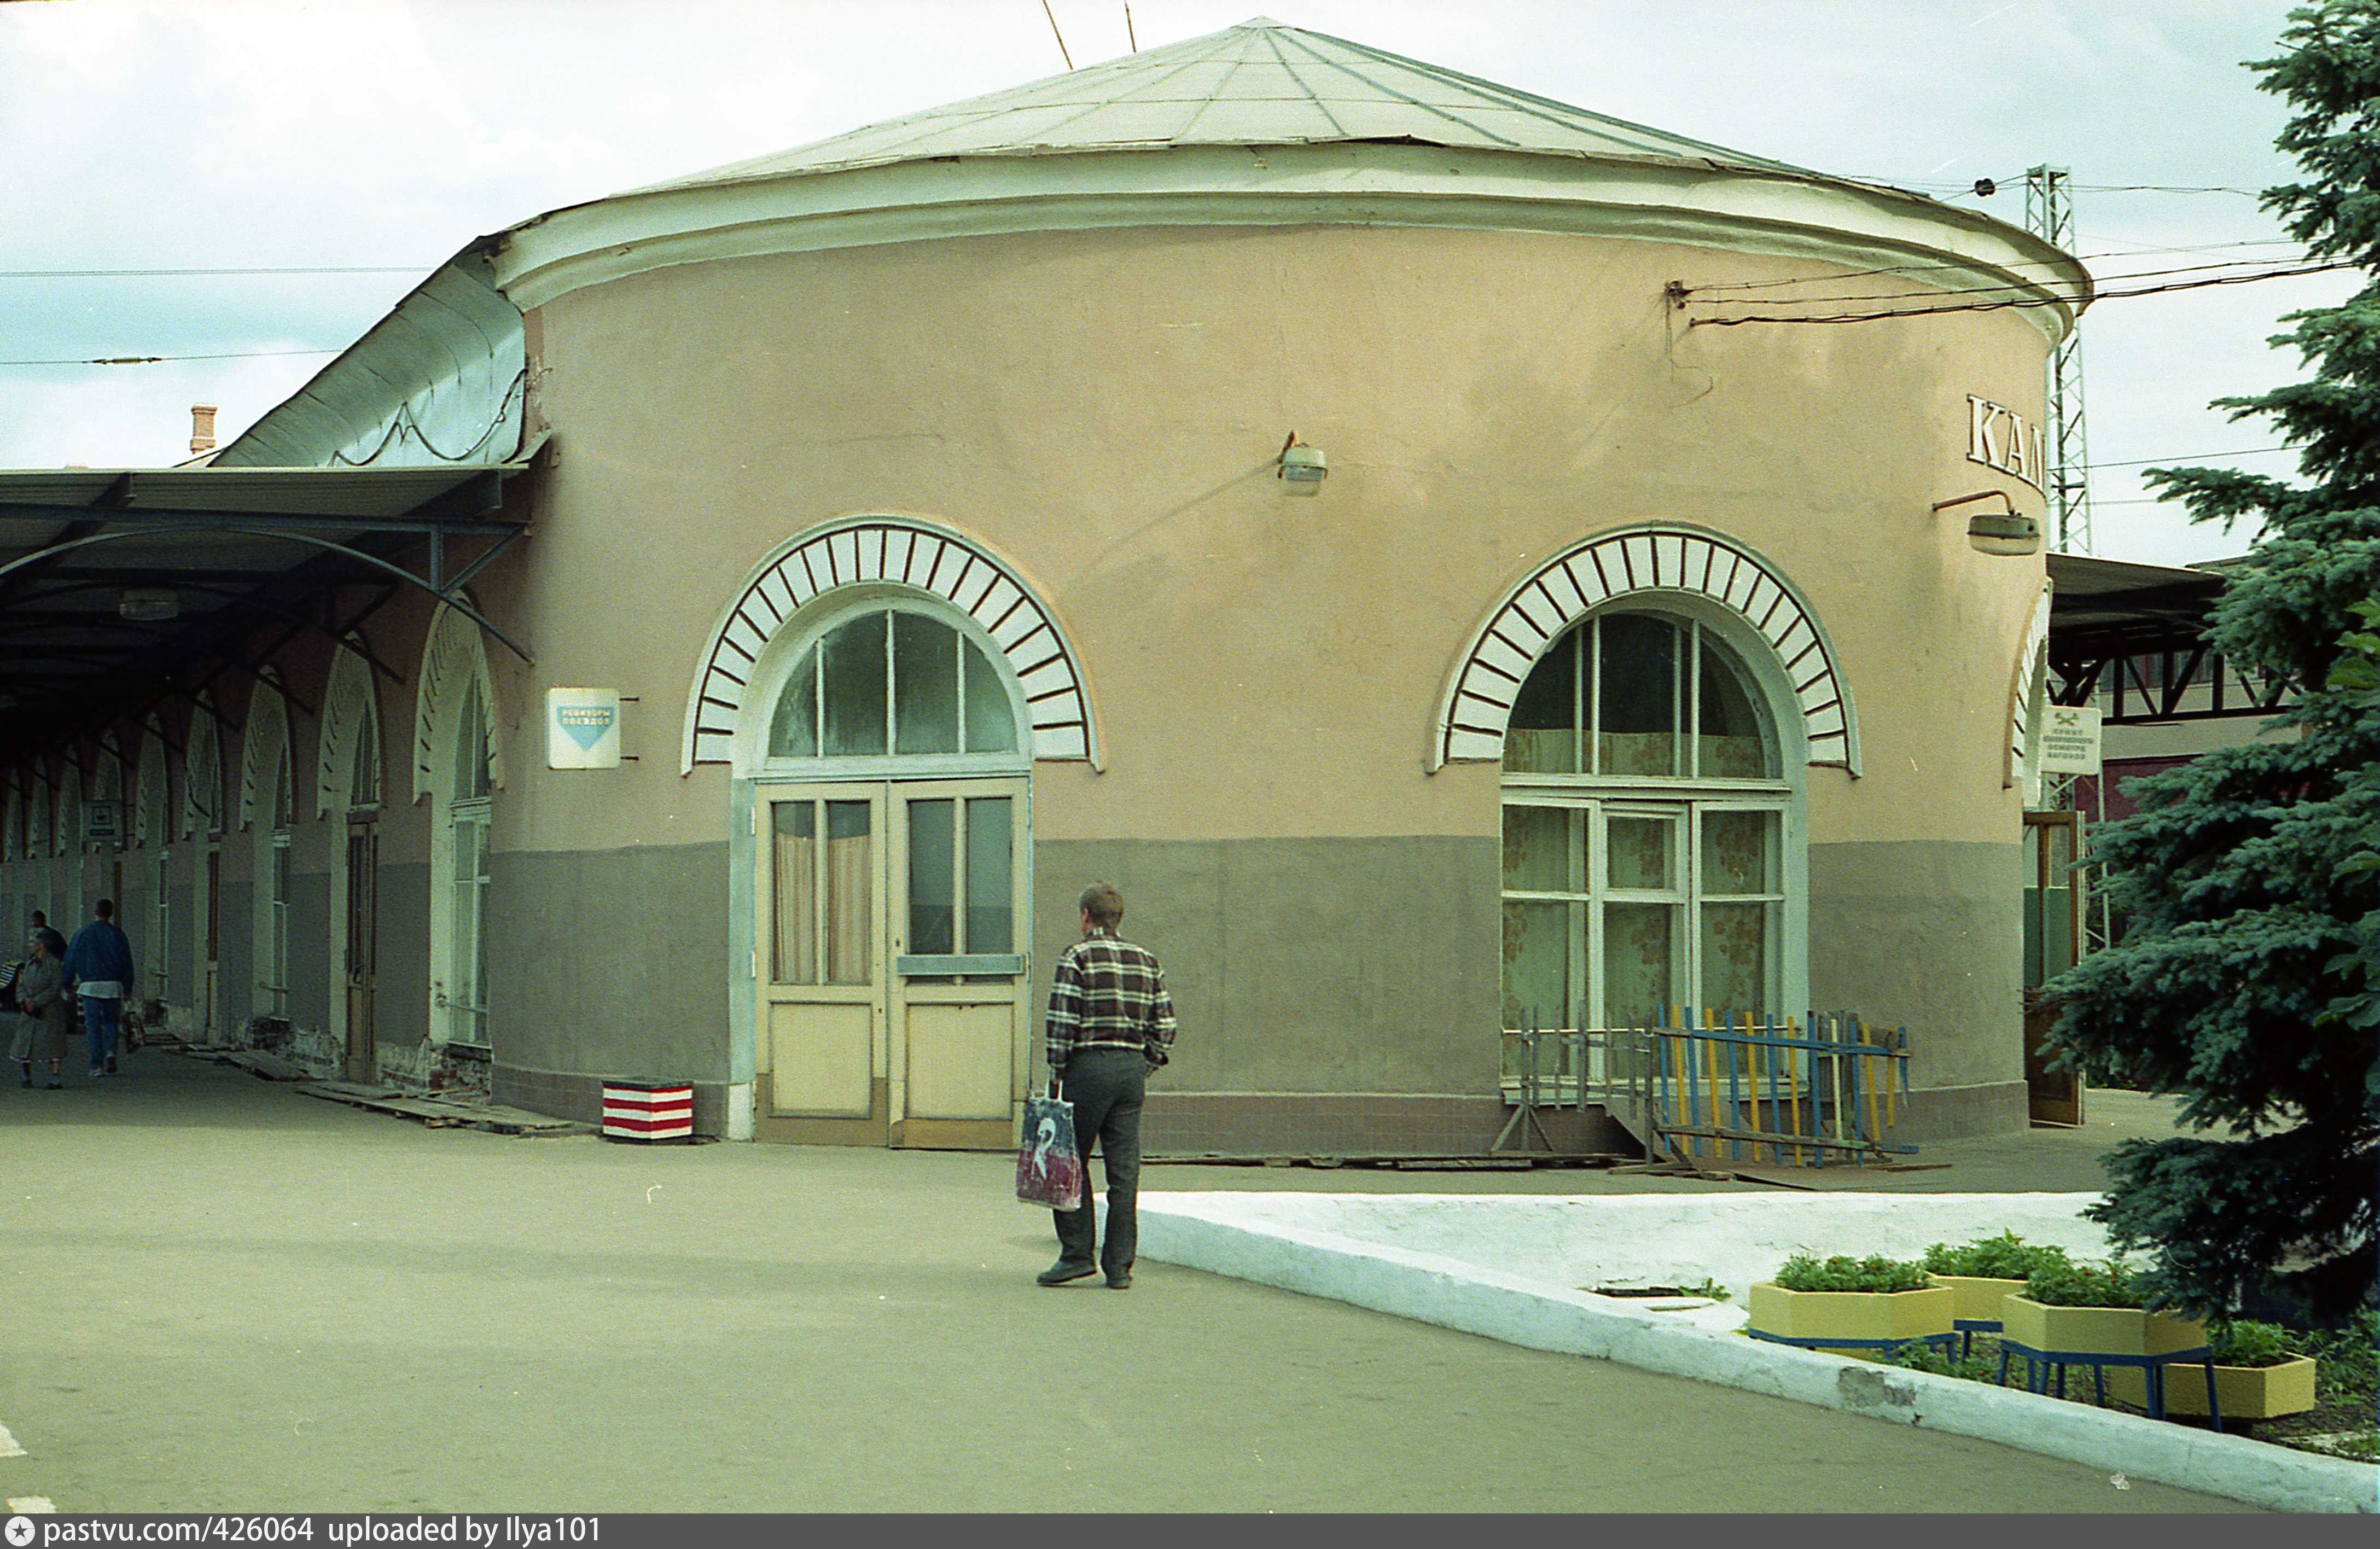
892, 805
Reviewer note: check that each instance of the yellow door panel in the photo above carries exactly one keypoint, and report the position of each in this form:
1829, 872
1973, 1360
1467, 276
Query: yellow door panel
960, 1059
821, 1056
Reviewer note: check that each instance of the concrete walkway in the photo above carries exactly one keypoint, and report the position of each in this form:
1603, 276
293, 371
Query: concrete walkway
217, 1294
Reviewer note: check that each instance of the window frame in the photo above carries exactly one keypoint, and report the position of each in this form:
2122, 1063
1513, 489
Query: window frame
1686, 800
756, 732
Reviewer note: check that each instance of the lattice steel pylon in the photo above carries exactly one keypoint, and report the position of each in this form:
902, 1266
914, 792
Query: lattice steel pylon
2049, 214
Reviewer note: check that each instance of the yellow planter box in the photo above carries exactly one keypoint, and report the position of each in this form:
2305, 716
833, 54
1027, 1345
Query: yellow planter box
1976, 1297
2245, 1392
2108, 1330
1914, 1314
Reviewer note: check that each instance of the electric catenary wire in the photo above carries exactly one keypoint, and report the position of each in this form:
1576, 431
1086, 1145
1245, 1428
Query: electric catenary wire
1972, 290
159, 360
2028, 301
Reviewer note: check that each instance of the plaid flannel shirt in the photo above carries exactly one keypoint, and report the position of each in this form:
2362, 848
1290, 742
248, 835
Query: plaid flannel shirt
1108, 994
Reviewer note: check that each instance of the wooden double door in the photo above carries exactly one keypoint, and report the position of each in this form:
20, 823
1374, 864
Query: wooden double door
892, 982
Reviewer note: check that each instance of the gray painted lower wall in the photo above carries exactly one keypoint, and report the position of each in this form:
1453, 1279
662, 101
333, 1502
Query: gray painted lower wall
610, 961
1928, 935
310, 949
234, 957
1304, 965
401, 1001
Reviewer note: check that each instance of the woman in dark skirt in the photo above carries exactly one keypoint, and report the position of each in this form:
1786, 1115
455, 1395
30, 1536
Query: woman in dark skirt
41, 991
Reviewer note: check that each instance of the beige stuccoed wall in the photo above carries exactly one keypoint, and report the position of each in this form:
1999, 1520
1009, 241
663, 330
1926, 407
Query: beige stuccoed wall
1103, 409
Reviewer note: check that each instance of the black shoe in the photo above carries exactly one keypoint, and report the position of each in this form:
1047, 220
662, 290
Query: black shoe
111, 1064
1120, 1282
1060, 1273
53, 1084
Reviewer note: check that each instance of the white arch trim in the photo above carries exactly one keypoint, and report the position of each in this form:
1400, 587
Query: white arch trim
1644, 561
892, 552
348, 703
2028, 690
262, 739
453, 656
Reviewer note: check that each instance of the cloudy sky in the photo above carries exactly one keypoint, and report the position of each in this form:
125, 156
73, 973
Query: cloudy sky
366, 133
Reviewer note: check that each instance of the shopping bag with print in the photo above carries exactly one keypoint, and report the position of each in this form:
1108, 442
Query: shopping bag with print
1049, 1170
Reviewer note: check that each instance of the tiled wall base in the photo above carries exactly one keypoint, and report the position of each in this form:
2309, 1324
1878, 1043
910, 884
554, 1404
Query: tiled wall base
580, 1098
1311, 1124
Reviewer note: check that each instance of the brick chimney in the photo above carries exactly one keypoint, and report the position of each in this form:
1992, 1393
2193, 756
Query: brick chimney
202, 427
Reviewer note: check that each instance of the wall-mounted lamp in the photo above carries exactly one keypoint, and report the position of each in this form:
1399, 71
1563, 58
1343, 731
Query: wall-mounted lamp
1301, 468
2007, 531
148, 604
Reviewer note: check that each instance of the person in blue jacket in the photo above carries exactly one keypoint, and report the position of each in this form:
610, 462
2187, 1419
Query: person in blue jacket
99, 965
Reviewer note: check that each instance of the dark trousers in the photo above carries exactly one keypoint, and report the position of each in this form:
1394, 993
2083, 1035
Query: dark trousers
1106, 1087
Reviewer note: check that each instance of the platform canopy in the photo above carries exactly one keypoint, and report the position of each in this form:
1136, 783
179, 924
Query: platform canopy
123, 587
2134, 636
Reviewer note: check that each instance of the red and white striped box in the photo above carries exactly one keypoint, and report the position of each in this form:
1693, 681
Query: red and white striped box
648, 1113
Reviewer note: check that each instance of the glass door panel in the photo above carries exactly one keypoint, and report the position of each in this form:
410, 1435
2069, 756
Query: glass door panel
933, 878
1641, 952
990, 866
794, 917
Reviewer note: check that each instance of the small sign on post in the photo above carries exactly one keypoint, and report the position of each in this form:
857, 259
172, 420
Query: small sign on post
582, 728
102, 822
2070, 740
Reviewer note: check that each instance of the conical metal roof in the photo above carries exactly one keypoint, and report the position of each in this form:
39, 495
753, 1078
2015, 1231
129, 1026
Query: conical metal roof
1259, 83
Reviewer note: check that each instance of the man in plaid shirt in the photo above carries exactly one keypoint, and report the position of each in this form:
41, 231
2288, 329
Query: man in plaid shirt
1110, 1023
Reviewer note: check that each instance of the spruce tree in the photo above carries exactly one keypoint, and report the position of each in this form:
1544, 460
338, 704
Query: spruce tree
2250, 879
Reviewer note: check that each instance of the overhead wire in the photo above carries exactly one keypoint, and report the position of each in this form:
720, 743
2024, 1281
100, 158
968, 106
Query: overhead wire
1972, 290
159, 360
2020, 263
155, 274
2030, 301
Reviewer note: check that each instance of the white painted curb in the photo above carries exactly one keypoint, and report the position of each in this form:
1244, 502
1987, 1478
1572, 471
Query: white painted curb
1434, 1289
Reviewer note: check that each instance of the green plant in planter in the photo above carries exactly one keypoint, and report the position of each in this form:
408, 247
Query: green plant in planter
2005, 1257
2084, 1285
2247, 1343
1808, 1272
1942, 1363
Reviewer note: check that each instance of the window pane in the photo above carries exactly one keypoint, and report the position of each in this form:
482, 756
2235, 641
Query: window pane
363, 781
1734, 745
991, 717
991, 898
1735, 956
850, 894
1639, 962
855, 688
471, 748
1537, 965
794, 881
1639, 734
1542, 737
1740, 853
1641, 853
932, 882
793, 733
1536, 850
925, 684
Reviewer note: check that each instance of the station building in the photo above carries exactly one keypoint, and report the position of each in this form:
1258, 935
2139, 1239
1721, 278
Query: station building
1426, 543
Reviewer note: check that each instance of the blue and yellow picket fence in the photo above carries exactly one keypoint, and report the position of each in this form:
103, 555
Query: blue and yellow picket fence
1699, 1084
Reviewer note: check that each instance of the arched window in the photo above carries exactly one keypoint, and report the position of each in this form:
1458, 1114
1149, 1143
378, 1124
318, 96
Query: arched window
363, 776
281, 817
202, 776
466, 967
152, 822
892, 681
1645, 824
